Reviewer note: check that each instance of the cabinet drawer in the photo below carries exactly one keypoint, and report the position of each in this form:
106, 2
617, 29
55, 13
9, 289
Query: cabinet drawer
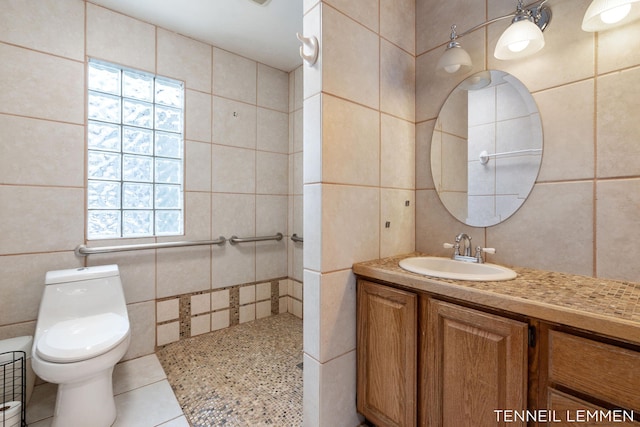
567, 411
604, 371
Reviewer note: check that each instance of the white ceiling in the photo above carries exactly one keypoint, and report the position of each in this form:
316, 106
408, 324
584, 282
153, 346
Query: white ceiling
266, 33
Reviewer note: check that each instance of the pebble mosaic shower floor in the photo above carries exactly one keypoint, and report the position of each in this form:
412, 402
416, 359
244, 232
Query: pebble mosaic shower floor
246, 375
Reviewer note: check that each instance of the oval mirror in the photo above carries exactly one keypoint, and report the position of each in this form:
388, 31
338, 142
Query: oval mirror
486, 148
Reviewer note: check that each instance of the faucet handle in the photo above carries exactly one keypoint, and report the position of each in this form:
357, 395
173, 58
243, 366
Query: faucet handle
480, 250
448, 245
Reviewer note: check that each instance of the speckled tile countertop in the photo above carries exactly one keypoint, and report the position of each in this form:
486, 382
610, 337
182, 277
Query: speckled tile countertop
603, 306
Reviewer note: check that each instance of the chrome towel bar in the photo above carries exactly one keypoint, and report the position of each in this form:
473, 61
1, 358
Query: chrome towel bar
297, 239
83, 250
235, 239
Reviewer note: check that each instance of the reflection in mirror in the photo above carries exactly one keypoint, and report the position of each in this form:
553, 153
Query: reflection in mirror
486, 148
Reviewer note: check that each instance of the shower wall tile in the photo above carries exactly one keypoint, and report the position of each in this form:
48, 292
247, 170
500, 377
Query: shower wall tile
197, 116
247, 313
233, 170
168, 333
350, 135
137, 269
298, 89
271, 215
234, 76
272, 131
200, 303
298, 130
184, 59
21, 152
233, 214
26, 230
220, 320
183, 270
143, 329
618, 132
135, 47
234, 123
263, 309
397, 153
53, 27
200, 324
271, 259
197, 217
272, 173
219, 299
398, 23
53, 91
167, 310
22, 282
312, 213
345, 73
272, 90
233, 264
247, 294
197, 166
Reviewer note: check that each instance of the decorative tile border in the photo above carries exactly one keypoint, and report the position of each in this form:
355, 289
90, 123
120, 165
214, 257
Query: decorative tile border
186, 315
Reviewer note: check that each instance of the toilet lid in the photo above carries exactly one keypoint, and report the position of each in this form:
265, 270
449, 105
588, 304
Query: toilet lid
82, 338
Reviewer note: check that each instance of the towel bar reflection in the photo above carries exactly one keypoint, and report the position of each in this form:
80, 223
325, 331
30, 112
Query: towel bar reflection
297, 239
484, 156
83, 250
235, 239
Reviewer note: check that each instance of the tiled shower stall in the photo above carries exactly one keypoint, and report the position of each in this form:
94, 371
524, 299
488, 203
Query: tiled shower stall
243, 173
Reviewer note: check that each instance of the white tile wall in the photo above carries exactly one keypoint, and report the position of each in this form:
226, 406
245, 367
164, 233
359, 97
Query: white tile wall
238, 149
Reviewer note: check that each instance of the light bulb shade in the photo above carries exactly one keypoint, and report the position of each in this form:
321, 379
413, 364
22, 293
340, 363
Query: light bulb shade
604, 14
520, 39
454, 60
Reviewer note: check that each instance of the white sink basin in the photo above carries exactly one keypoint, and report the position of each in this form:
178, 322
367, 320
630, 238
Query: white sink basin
447, 268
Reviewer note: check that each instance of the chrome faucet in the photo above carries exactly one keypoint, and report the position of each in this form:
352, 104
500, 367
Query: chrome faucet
467, 244
465, 239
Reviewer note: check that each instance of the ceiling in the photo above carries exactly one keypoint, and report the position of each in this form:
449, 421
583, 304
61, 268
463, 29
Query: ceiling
265, 33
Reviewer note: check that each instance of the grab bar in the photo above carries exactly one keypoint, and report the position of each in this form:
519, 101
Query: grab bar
297, 239
83, 250
235, 239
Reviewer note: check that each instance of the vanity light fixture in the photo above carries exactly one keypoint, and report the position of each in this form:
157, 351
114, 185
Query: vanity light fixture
522, 38
604, 14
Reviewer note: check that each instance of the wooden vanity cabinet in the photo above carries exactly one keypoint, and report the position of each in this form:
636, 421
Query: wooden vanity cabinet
439, 364
386, 354
474, 364
587, 378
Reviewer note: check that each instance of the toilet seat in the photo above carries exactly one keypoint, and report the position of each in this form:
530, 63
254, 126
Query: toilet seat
82, 338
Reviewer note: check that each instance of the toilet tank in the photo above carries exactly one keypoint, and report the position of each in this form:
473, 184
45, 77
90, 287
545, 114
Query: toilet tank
83, 292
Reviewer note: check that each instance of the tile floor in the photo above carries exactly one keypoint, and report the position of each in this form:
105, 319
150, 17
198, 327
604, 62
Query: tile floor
143, 397
246, 375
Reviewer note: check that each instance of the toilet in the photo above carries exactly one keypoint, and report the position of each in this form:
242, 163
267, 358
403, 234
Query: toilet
82, 331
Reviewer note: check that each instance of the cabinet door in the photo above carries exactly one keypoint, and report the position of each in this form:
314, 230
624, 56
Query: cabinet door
386, 354
476, 364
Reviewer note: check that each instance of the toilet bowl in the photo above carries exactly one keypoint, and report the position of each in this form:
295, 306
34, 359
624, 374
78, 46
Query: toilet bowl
82, 331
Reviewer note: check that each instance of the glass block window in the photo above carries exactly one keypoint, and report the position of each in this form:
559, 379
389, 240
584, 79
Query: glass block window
135, 153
